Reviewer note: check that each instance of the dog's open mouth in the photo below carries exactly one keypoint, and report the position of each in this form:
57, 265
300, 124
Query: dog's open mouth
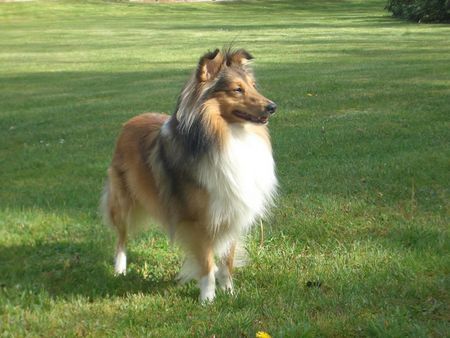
260, 120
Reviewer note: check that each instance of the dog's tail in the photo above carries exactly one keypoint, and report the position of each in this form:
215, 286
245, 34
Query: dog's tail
103, 209
118, 210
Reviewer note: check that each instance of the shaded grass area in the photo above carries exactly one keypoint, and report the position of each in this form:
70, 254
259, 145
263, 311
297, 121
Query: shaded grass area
358, 244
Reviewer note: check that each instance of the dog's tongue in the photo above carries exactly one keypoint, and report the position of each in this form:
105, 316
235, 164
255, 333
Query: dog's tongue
264, 119
252, 118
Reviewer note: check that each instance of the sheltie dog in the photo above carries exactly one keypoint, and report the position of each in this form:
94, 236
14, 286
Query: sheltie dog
205, 173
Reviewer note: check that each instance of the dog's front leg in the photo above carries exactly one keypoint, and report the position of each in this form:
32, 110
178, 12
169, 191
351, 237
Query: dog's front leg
199, 248
224, 273
207, 280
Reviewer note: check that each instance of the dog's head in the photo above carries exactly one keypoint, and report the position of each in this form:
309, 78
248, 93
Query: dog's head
230, 86
221, 91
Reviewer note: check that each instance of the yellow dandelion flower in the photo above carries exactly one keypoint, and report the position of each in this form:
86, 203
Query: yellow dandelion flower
262, 334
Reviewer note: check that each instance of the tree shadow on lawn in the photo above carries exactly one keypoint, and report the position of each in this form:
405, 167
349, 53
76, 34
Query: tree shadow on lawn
67, 269
313, 6
363, 23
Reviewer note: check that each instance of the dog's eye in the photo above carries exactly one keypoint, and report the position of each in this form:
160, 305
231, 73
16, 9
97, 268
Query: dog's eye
238, 90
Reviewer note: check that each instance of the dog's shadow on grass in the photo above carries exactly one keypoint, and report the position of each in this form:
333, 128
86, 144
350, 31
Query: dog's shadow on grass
65, 269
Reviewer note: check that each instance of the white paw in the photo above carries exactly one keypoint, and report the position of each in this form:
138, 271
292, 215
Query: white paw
207, 297
207, 286
224, 279
227, 286
120, 267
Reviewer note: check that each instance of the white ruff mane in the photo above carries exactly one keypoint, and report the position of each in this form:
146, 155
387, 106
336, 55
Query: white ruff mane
241, 181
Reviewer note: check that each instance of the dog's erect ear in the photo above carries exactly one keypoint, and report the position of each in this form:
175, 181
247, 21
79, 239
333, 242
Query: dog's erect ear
239, 57
209, 65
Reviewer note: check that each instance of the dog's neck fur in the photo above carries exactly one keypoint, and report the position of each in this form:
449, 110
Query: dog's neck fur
240, 180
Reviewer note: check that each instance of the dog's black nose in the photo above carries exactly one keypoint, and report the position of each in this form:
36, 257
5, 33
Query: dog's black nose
271, 107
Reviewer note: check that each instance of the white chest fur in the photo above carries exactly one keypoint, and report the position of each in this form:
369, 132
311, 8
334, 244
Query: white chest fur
241, 181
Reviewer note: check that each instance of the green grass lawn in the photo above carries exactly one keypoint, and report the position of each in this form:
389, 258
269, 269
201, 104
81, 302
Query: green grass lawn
358, 244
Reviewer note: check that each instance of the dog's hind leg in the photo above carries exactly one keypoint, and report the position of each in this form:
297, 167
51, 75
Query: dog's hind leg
120, 265
117, 205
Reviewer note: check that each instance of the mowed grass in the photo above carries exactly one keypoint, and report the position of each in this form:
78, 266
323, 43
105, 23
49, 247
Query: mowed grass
358, 244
